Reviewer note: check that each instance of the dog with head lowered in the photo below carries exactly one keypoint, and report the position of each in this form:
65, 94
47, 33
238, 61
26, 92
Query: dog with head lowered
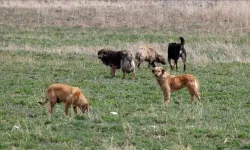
150, 55
118, 60
171, 83
69, 95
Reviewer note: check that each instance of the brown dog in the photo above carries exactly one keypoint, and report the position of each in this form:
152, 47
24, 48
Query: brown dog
149, 54
57, 93
169, 83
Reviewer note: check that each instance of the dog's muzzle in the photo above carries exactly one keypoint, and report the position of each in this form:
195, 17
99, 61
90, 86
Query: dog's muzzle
153, 71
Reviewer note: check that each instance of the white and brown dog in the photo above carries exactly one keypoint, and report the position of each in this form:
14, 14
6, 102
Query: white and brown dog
69, 95
170, 83
150, 55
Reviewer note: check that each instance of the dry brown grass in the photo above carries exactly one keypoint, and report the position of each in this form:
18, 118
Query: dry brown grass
203, 18
186, 15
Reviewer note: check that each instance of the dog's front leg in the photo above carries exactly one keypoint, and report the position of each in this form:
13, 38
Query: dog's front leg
67, 108
167, 95
52, 105
75, 109
151, 64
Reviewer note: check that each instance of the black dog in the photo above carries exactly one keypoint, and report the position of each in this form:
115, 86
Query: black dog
175, 51
118, 59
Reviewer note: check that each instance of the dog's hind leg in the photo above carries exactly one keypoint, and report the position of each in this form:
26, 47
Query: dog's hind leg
195, 95
123, 74
169, 62
183, 58
176, 64
192, 98
194, 92
113, 70
198, 97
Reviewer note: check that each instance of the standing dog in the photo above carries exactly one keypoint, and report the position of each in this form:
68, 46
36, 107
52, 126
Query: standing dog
175, 51
169, 83
118, 59
69, 95
149, 54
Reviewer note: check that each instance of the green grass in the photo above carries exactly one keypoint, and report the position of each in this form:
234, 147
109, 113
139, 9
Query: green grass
42, 43
46, 42
64, 36
143, 122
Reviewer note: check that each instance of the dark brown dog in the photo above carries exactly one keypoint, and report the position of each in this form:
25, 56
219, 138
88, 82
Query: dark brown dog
169, 83
175, 51
118, 59
149, 54
69, 95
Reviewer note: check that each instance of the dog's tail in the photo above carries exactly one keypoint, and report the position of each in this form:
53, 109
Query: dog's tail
182, 41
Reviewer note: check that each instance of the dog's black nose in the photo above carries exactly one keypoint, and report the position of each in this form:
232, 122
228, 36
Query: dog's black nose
153, 70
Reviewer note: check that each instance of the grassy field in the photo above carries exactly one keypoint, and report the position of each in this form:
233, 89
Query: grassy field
221, 121
33, 57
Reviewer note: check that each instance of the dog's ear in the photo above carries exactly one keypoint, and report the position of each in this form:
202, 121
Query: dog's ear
104, 53
162, 71
86, 108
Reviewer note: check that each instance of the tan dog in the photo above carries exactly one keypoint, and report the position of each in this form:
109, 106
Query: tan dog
169, 83
57, 93
149, 54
